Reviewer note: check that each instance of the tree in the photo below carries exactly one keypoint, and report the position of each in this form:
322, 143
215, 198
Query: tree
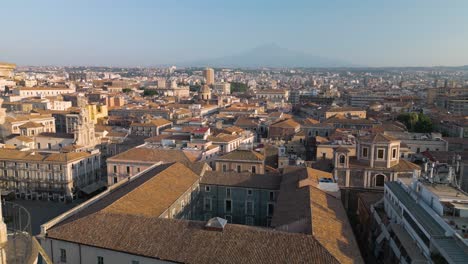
415, 122
148, 92
237, 87
126, 90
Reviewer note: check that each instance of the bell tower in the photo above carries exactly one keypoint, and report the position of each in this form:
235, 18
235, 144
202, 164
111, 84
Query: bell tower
341, 157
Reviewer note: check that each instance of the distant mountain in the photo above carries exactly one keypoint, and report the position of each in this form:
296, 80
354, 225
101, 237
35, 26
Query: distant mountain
270, 55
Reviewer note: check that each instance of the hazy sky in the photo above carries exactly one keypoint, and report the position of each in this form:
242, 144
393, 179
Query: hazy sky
152, 32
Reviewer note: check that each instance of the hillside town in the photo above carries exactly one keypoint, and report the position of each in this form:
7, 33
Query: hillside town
287, 165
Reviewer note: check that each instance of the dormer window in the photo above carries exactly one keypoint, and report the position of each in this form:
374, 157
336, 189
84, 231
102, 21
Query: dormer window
394, 153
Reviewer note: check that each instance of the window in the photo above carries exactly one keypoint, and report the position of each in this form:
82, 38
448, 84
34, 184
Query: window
272, 196
342, 159
207, 202
394, 153
63, 255
138, 169
249, 192
207, 188
39, 145
228, 192
249, 207
365, 152
379, 180
380, 154
249, 220
238, 168
254, 169
115, 180
270, 209
49, 146
100, 260
228, 206
115, 169
128, 169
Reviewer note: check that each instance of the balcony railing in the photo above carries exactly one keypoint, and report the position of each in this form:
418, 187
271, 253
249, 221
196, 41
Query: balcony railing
20, 246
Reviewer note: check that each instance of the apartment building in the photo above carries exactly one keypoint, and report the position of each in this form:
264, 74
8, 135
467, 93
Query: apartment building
273, 95
241, 161
138, 159
150, 128
421, 222
12, 124
39, 175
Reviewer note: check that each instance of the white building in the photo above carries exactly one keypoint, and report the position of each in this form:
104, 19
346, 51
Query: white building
422, 222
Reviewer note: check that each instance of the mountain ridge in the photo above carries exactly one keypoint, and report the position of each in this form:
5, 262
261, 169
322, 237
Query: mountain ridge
270, 55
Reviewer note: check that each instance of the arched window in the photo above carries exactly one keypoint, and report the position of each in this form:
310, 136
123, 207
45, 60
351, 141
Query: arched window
379, 180
342, 159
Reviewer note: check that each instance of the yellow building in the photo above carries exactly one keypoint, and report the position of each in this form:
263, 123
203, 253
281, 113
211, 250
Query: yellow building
96, 112
346, 112
208, 73
6, 70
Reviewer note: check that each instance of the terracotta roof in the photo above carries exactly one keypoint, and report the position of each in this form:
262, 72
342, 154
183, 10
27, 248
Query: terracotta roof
24, 138
304, 208
246, 155
153, 155
378, 138
387, 127
360, 121
126, 220
164, 187
310, 121
345, 109
155, 122
17, 155
246, 121
221, 137
287, 123
244, 179
31, 125
55, 135
184, 241
403, 165
233, 129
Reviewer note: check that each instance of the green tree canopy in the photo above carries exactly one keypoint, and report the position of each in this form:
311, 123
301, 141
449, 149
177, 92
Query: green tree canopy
237, 87
416, 122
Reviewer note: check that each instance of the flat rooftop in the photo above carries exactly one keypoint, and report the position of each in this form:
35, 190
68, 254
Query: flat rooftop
444, 191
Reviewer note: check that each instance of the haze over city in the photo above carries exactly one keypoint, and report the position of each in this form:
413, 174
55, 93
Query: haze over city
247, 131
152, 33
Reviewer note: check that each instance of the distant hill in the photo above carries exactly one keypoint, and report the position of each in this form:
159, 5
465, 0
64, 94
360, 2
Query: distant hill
270, 55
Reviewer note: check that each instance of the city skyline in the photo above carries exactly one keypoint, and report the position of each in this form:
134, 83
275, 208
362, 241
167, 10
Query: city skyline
153, 33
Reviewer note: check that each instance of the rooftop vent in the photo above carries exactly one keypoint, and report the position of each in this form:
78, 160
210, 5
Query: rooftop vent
216, 224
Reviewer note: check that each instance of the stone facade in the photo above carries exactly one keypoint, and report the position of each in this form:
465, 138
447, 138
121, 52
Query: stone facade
377, 161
